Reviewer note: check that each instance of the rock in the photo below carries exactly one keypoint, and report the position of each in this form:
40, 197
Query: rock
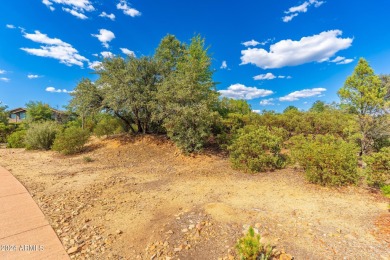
73, 250
351, 237
285, 257
264, 241
169, 232
177, 249
184, 230
190, 227
119, 232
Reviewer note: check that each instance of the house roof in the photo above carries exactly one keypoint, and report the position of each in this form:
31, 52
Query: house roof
21, 109
16, 110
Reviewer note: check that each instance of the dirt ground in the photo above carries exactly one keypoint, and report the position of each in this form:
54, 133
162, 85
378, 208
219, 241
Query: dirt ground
127, 198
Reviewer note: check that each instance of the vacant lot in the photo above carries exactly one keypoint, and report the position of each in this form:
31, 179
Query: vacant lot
140, 198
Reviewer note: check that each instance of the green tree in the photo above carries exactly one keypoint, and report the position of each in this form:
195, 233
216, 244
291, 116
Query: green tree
3, 114
290, 108
318, 106
87, 100
38, 111
228, 105
386, 84
187, 97
168, 54
364, 92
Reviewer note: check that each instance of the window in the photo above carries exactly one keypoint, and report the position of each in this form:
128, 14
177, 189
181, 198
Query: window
22, 115
13, 116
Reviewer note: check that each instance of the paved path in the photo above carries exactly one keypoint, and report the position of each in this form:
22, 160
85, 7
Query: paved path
24, 231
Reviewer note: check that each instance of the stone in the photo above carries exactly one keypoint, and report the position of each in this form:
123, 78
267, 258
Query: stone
119, 232
73, 250
169, 232
285, 256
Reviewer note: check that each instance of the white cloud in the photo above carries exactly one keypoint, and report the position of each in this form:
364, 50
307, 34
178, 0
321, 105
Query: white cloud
288, 18
2, 71
75, 13
94, 65
267, 76
104, 37
122, 5
250, 43
292, 53
298, 9
302, 8
5, 79
109, 16
255, 43
54, 90
239, 91
128, 52
284, 77
54, 48
267, 102
48, 4
81, 5
305, 93
346, 61
224, 65
256, 111
10, 26
107, 54
32, 76
341, 60
74, 7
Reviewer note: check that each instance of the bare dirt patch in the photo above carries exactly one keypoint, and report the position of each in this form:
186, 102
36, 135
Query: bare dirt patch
140, 198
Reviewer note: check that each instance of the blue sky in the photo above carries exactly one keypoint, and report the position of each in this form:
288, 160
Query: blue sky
272, 53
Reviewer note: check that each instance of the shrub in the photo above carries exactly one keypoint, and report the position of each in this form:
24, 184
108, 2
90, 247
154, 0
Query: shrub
17, 139
87, 159
41, 135
378, 167
386, 190
190, 127
107, 126
326, 159
257, 149
71, 140
250, 248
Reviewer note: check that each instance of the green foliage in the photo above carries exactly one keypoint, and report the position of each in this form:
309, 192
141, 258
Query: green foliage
41, 135
17, 139
318, 106
187, 97
228, 106
38, 111
326, 159
190, 127
3, 114
364, 93
386, 190
290, 108
87, 100
87, 159
107, 125
250, 248
71, 140
257, 149
378, 167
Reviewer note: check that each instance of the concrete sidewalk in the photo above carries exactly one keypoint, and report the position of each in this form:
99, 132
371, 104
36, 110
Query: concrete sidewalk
24, 231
